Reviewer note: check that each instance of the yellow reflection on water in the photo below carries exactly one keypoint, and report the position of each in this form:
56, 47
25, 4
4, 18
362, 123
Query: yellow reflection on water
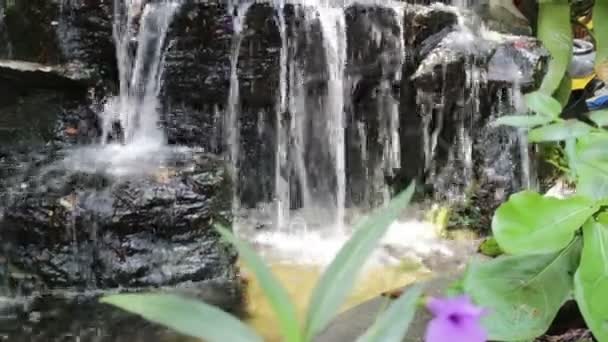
299, 281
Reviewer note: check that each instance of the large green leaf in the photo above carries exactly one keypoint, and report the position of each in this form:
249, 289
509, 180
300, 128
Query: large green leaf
529, 223
593, 148
591, 162
559, 131
522, 121
592, 182
394, 322
186, 316
543, 104
275, 293
591, 278
555, 33
600, 29
522, 293
338, 279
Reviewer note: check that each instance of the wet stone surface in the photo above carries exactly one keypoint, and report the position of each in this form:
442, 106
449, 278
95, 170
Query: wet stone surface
64, 228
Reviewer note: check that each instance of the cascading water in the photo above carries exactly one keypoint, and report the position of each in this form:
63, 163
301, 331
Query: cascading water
310, 143
281, 181
132, 141
313, 97
140, 72
231, 124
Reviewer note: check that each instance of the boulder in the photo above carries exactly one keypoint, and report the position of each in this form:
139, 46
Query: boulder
72, 223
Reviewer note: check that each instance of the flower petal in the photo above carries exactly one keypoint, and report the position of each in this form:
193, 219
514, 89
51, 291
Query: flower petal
444, 330
460, 305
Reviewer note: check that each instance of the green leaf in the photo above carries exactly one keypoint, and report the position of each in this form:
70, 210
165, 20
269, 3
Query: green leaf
562, 94
593, 148
600, 29
599, 117
592, 182
394, 322
489, 247
186, 316
275, 293
571, 156
543, 104
591, 279
522, 121
558, 131
523, 293
591, 162
455, 288
529, 223
555, 32
338, 279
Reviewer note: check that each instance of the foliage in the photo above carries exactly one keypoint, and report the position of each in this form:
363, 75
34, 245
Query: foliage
200, 320
554, 247
489, 247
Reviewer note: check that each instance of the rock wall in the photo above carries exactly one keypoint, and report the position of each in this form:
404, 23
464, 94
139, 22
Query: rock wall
442, 93
197, 74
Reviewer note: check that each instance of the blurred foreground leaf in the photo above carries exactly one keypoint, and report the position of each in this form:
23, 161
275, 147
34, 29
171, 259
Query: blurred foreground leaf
186, 316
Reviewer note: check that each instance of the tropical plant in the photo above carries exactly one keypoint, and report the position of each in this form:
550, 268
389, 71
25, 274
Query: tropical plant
556, 249
201, 320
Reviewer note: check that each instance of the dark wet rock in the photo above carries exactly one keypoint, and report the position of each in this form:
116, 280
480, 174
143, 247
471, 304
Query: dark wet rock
507, 19
518, 60
69, 228
34, 20
59, 32
54, 318
38, 116
464, 80
196, 87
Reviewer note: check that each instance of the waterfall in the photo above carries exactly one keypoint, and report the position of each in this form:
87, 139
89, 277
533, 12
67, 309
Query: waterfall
333, 28
313, 95
231, 124
131, 140
281, 179
139, 32
316, 134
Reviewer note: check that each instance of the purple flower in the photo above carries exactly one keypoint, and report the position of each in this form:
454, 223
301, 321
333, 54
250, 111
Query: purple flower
456, 320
